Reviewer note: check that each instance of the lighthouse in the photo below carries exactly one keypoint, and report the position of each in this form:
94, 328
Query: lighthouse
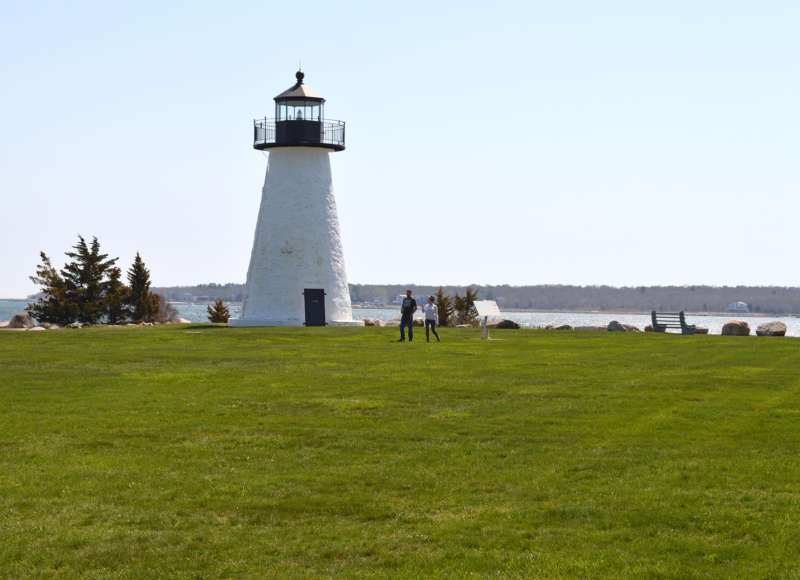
297, 275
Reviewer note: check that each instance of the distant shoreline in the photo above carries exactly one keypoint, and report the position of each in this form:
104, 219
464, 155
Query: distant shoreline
623, 312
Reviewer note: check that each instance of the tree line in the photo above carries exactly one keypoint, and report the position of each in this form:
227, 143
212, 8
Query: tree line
89, 289
562, 297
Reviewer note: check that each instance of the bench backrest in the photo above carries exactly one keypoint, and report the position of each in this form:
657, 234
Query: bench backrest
664, 320
669, 319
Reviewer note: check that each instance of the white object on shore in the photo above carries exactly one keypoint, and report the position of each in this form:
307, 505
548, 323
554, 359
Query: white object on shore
486, 308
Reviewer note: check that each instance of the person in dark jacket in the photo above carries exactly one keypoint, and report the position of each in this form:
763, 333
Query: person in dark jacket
407, 310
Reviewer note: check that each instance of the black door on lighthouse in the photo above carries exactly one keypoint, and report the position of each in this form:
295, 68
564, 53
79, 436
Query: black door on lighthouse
315, 306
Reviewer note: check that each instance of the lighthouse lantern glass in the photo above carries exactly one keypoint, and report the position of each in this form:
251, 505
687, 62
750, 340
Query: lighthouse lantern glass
298, 111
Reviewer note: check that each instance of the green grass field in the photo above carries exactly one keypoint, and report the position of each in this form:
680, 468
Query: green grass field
204, 451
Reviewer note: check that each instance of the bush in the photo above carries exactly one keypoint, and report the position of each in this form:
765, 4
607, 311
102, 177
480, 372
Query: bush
219, 313
166, 311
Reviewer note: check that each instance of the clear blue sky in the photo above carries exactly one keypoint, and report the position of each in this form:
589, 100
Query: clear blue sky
620, 143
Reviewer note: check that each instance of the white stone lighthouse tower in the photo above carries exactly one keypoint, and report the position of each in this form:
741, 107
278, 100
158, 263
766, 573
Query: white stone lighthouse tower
297, 273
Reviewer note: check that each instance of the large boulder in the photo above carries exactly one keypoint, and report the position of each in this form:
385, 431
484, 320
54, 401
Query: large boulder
37, 328
179, 320
774, 328
419, 322
22, 320
393, 322
736, 328
502, 324
464, 326
615, 326
369, 322
595, 328
379, 322
559, 327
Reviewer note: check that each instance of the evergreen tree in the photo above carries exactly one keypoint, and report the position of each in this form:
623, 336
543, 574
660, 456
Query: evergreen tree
465, 307
84, 277
55, 304
143, 305
445, 306
219, 313
458, 307
115, 295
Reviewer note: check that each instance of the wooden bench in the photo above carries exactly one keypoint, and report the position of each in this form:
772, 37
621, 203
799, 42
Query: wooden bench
664, 320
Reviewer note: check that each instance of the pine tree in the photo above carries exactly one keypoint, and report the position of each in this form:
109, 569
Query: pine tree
85, 276
143, 305
445, 306
458, 307
219, 313
55, 304
115, 294
465, 307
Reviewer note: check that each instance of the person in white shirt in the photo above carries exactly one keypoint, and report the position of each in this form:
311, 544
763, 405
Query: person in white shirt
431, 319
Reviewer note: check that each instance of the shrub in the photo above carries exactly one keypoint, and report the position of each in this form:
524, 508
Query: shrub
219, 313
166, 311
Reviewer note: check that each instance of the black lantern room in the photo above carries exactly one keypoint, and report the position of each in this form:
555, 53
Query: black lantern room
299, 122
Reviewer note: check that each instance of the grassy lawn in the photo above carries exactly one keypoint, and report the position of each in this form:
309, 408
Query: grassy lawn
204, 451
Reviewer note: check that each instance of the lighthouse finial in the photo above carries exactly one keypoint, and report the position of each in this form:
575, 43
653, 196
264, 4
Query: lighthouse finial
299, 76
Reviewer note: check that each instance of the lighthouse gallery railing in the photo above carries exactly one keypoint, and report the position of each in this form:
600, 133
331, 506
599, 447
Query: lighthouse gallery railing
331, 132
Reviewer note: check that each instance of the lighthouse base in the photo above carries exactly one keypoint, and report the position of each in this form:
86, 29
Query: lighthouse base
239, 322
297, 259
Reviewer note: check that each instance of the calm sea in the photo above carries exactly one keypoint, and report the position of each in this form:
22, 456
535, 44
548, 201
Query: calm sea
197, 313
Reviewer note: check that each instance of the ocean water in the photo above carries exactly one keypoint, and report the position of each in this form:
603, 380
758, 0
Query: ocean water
197, 313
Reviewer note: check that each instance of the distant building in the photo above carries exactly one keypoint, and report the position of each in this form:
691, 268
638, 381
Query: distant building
738, 307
